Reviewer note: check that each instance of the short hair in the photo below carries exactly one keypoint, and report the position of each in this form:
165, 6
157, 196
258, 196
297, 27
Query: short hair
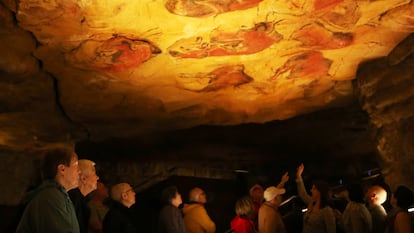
117, 190
404, 196
194, 194
244, 207
85, 165
168, 194
53, 158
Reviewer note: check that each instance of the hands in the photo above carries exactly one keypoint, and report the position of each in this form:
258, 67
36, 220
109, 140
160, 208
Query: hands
285, 178
299, 171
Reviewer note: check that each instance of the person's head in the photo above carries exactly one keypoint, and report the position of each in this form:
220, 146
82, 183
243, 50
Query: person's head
123, 193
274, 195
376, 195
355, 192
244, 207
403, 197
61, 164
256, 193
197, 195
170, 195
320, 191
87, 176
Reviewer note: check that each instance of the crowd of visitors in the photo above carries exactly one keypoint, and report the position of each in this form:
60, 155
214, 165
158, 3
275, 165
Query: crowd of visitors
71, 199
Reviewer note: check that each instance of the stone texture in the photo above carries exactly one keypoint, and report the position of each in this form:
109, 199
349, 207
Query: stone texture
386, 90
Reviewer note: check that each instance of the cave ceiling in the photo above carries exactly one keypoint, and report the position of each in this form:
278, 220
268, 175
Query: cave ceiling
98, 69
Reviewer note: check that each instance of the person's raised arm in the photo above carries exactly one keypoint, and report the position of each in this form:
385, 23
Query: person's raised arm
283, 181
300, 186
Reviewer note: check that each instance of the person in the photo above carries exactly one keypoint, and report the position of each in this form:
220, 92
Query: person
196, 218
256, 195
243, 222
319, 217
375, 196
120, 217
170, 218
87, 183
398, 220
49, 207
356, 217
98, 207
270, 220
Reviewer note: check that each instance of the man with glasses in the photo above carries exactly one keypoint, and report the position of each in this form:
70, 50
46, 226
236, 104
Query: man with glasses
120, 217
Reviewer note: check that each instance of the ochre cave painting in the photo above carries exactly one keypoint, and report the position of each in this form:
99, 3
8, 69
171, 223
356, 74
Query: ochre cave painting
310, 64
325, 4
245, 41
343, 14
202, 8
112, 55
316, 36
222, 77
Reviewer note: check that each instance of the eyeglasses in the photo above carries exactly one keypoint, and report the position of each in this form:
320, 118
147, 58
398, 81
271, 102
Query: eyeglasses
129, 190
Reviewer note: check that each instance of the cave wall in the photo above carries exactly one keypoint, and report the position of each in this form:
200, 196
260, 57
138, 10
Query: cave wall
385, 88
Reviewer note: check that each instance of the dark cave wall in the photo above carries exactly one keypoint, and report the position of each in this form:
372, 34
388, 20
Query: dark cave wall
386, 91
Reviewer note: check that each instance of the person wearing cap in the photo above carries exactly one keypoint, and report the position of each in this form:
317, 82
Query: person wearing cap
256, 194
196, 218
319, 217
375, 197
270, 220
120, 217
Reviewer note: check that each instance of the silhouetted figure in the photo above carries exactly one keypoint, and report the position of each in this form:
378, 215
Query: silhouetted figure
170, 218
398, 220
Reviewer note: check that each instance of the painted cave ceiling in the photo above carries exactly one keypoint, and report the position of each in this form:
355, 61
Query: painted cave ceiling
98, 69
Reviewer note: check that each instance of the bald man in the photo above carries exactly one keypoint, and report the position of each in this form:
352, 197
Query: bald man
375, 197
120, 217
196, 218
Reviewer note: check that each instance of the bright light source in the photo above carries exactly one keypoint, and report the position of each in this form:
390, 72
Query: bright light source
241, 171
304, 210
411, 209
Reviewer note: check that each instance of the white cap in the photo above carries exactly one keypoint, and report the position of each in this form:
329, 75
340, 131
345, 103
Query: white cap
271, 192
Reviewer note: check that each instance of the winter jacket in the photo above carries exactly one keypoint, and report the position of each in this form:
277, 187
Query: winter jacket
197, 220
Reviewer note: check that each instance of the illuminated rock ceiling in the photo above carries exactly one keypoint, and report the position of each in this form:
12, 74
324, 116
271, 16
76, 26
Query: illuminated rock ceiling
115, 68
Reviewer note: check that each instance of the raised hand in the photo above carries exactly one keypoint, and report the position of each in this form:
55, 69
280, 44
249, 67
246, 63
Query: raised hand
300, 169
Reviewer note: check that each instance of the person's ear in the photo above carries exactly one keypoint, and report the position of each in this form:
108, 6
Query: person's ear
60, 168
124, 195
82, 178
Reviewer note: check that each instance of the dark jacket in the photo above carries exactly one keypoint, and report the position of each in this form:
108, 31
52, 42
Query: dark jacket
171, 220
82, 209
49, 210
120, 219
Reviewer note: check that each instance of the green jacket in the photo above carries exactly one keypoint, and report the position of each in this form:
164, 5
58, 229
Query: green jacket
49, 210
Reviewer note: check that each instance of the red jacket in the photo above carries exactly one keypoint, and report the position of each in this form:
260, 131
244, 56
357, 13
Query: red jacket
242, 225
